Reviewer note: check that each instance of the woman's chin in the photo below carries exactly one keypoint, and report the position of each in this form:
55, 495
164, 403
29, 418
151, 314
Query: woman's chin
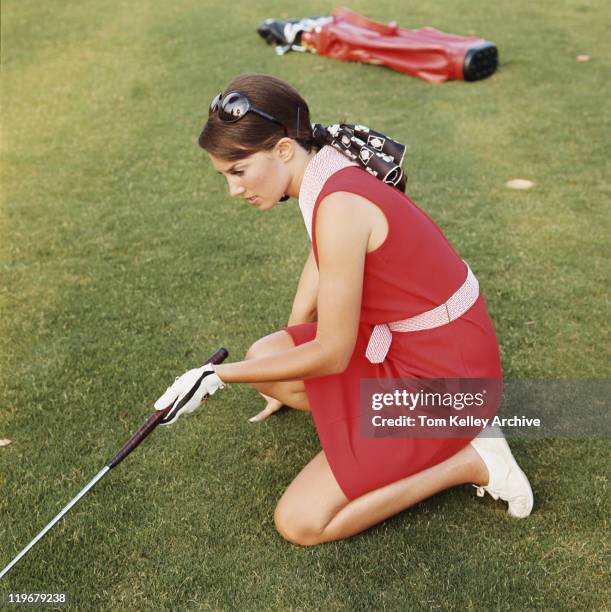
265, 204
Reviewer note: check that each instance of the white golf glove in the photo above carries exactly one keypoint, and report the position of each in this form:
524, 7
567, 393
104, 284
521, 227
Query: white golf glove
188, 392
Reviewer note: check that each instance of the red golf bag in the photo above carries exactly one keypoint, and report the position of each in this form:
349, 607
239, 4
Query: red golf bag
425, 53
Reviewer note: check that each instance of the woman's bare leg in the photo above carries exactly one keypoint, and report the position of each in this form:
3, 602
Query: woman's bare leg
290, 393
314, 509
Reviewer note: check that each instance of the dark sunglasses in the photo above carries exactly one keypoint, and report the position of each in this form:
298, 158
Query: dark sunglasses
234, 106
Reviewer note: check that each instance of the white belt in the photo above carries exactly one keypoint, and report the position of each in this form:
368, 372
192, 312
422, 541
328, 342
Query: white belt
456, 306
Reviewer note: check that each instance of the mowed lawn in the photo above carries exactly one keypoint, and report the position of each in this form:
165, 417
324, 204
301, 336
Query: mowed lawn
123, 262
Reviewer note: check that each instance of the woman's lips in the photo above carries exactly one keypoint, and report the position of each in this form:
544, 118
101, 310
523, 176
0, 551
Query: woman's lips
253, 200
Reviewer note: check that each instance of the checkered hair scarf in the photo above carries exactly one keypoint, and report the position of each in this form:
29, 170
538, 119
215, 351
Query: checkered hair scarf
375, 152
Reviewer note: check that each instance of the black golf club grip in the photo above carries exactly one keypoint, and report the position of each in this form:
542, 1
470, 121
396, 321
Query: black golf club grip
152, 422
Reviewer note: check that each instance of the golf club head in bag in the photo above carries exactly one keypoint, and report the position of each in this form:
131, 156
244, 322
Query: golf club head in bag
286, 35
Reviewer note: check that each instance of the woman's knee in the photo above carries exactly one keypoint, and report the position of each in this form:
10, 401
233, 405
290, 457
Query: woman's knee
295, 526
291, 393
256, 350
269, 345
263, 347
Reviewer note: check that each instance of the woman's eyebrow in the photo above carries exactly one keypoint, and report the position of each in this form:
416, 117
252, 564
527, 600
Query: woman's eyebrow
229, 170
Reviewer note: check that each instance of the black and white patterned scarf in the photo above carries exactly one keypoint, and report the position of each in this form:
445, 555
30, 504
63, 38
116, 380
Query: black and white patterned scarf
375, 152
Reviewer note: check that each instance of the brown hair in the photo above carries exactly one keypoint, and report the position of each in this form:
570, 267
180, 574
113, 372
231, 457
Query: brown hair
252, 133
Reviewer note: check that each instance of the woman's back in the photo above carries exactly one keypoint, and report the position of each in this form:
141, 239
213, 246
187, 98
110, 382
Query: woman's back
415, 268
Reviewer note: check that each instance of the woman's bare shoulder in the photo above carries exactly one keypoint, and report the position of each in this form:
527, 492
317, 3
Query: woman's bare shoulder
343, 204
354, 214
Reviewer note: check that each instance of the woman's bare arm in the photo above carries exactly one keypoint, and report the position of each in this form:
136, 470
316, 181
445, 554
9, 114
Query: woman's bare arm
342, 233
306, 296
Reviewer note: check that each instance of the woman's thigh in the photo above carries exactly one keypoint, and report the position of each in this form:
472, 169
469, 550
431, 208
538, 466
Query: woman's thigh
291, 393
309, 503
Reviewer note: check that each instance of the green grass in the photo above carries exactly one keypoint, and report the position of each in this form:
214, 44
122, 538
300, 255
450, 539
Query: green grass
124, 262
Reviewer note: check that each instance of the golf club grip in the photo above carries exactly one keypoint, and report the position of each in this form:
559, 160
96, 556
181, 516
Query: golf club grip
154, 420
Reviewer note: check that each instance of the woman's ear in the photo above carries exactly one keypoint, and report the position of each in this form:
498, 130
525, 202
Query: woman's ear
285, 148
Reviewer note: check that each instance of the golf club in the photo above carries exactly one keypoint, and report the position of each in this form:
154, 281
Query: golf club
147, 427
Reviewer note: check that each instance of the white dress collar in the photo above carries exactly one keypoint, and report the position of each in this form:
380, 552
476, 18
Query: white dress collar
325, 163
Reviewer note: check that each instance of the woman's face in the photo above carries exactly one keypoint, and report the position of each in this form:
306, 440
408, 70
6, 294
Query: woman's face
261, 179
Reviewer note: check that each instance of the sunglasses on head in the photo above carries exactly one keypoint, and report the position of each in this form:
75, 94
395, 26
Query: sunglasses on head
234, 106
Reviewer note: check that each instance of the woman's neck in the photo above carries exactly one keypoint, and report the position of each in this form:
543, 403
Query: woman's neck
300, 162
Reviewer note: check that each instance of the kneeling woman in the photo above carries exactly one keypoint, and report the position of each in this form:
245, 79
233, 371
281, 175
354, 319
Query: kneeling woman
382, 295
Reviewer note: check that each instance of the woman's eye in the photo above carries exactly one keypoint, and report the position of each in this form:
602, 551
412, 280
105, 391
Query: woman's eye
238, 172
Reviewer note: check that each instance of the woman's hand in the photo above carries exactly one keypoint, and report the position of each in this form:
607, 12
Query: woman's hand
188, 392
273, 405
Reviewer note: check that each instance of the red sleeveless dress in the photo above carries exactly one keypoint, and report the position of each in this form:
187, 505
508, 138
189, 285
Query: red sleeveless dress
413, 271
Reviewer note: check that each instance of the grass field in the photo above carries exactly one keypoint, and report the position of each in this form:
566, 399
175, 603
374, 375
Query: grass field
123, 262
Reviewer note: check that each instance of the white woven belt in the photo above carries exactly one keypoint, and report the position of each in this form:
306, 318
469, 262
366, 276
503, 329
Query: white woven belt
456, 306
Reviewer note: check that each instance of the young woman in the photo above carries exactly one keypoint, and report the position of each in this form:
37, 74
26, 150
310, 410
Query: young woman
382, 295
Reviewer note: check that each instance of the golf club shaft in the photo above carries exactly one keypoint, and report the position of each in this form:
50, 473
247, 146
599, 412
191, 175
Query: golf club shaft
148, 426
89, 485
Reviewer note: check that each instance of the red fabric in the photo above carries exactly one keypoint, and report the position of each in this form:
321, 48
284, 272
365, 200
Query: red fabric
425, 53
415, 269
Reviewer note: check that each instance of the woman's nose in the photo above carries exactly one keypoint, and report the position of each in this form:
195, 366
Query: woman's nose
235, 189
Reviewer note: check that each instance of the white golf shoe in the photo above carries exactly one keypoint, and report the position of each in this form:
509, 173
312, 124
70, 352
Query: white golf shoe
507, 481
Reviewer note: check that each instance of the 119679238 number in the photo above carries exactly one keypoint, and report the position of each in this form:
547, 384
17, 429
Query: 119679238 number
34, 598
